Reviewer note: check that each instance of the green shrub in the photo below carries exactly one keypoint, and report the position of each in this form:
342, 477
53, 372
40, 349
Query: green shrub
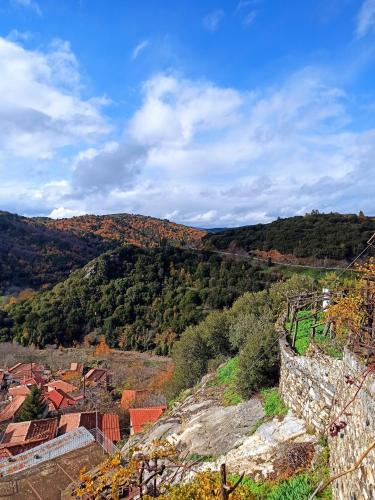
296, 488
258, 364
273, 405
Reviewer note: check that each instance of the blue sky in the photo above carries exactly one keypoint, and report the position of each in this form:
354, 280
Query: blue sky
210, 113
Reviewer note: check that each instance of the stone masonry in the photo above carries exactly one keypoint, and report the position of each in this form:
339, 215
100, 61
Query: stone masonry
314, 387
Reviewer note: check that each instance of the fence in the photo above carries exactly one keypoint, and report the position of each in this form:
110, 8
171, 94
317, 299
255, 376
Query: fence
107, 445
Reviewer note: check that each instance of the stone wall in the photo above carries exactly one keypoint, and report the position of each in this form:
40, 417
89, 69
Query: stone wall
314, 387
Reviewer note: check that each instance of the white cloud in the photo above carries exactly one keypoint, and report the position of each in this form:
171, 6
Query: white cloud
139, 48
206, 155
28, 4
213, 19
40, 106
366, 18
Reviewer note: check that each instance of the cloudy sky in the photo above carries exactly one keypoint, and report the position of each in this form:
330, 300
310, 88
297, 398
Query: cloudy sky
209, 113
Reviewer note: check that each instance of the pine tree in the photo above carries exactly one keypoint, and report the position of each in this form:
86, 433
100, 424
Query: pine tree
34, 406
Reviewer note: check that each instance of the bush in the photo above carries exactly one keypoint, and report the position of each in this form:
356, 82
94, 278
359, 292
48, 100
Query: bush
190, 356
258, 364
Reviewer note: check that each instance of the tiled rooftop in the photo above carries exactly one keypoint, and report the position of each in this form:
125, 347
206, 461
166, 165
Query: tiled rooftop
12, 408
140, 417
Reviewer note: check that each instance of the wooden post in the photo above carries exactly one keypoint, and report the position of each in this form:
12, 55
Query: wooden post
312, 331
326, 329
141, 480
295, 333
223, 477
154, 493
292, 318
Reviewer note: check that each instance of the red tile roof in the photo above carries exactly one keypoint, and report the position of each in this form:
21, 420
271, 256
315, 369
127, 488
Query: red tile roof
96, 375
21, 436
109, 424
19, 390
140, 417
25, 369
110, 427
11, 410
60, 384
58, 400
132, 398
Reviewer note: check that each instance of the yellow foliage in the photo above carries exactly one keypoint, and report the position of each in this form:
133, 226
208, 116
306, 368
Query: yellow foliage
205, 486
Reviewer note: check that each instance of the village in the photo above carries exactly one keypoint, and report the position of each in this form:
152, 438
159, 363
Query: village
68, 417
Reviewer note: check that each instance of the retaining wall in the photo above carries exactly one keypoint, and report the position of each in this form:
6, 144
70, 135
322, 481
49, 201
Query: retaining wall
314, 387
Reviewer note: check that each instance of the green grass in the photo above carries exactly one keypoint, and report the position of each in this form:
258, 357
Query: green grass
195, 457
298, 487
328, 345
273, 404
226, 375
227, 372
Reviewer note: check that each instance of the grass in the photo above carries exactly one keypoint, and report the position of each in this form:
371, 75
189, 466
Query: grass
298, 487
273, 404
226, 375
328, 345
195, 457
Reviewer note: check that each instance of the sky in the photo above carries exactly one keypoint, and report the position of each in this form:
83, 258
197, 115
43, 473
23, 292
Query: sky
205, 112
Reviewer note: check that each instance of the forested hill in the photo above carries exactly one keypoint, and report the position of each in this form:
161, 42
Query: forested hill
139, 298
42, 251
313, 236
137, 230
32, 254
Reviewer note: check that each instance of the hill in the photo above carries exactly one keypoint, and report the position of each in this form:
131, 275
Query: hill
138, 297
33, 254
305, 239
137, 230
39, 251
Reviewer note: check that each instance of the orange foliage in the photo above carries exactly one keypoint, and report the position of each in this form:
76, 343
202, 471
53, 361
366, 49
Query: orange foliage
102, 347
134, 229
159, 381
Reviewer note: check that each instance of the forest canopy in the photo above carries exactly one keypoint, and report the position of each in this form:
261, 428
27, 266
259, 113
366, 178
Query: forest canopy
139, 298
333, 236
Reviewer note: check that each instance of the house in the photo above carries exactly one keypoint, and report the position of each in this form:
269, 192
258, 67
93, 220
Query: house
61, 385
12, 409
133, 398
57, 399
109, 424
96, 377
141, 417
22, 436
76, 367
18, 390
24, 371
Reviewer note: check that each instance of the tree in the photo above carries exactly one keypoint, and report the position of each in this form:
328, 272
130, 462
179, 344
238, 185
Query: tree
258, 364
34, 407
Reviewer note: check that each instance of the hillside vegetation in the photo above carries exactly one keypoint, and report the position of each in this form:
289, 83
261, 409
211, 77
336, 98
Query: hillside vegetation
128, 228
245, 334
139, 298
42, 251
318, 236
32, 254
